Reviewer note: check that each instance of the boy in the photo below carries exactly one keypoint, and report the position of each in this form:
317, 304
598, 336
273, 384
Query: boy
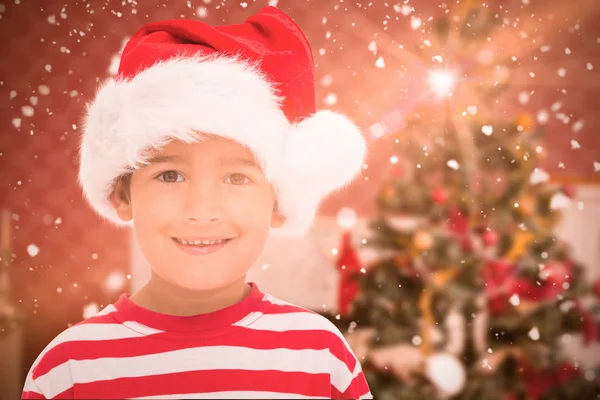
207, 142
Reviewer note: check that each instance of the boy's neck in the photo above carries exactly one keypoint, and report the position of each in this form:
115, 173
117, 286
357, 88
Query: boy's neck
165, 298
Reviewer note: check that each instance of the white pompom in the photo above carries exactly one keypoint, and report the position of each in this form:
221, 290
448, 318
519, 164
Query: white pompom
326, 149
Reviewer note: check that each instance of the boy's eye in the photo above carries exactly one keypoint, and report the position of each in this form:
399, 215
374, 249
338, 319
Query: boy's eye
170, 177
237, 179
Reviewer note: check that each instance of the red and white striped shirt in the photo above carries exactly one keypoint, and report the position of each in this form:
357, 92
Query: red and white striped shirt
260, 347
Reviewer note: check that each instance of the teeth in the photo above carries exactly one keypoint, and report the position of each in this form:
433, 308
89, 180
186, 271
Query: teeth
198, 242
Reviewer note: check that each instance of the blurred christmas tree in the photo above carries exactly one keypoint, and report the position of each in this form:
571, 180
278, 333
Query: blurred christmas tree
472, 294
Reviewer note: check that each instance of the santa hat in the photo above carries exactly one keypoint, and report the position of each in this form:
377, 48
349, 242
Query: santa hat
251, 82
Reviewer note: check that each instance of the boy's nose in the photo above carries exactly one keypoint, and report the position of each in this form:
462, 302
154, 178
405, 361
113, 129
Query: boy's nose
202, 206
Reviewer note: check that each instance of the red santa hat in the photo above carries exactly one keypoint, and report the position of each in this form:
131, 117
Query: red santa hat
251, 82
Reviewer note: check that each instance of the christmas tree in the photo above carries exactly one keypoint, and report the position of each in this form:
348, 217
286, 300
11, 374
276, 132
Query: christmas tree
472, 294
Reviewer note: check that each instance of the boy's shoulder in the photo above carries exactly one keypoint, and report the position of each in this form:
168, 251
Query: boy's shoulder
282, 316
75, 340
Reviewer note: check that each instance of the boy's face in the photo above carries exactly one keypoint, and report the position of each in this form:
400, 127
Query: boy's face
211, 190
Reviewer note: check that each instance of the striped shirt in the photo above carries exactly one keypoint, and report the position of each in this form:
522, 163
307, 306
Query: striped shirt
260, 347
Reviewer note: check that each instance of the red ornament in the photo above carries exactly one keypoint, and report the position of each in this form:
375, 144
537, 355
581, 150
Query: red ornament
439, 196
569, 190
597, 288
349, 265
489, 237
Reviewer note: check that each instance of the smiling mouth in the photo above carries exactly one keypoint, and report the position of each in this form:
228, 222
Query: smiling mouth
200, 243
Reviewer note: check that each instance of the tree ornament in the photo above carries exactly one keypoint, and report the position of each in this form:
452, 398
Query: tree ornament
440, 196
446, 373
525, 120
423, 240
597, 288
569, 190
490, 238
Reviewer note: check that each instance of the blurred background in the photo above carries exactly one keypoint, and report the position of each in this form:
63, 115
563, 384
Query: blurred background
463, 264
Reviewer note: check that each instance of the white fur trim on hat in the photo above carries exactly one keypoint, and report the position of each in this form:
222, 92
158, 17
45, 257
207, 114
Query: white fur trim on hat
179, 98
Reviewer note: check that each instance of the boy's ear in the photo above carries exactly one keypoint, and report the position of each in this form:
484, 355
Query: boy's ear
120, 200
278, 219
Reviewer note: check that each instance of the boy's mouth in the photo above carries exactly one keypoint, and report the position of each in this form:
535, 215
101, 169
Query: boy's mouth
201, 243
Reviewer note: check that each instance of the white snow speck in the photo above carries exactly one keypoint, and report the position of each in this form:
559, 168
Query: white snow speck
416, 340
372, 46
560, 201
201, 12
2, 8
453, 164
16, 122
596, 166
52, 19
546, 48
322, 52
472, 110
13, 94
589, 66
561, 72
44, 90
575, 145
59, 289
557, 105
524, 97
538, 176
264, 267
33, 250
331, 99
561, 165
33, 100
567, 51
326, 80
577, 126
244, 4
514, 300
48, 67
94, 256
437, 58
27, 111
394, 160
115, 281
273, 3
543, 116
487, 130
406, 10
534, 333
380, 63
90, 310
58, 221
415, 23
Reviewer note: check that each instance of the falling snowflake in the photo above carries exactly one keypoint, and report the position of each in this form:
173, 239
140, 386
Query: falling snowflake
52, 19
372, 47
575, 145
577, 126
538, 176
487, 130
514, 300
33, 250
380, 63
90, 310
201, 12
331, 99
534, 333
589, 66
264, 267
596, 166
562, 72
27, 111
16, 122
415, 23
48, 67
453, 164
523, 97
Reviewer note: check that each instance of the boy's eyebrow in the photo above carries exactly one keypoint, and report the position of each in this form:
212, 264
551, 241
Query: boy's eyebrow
163, 159
246, 162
